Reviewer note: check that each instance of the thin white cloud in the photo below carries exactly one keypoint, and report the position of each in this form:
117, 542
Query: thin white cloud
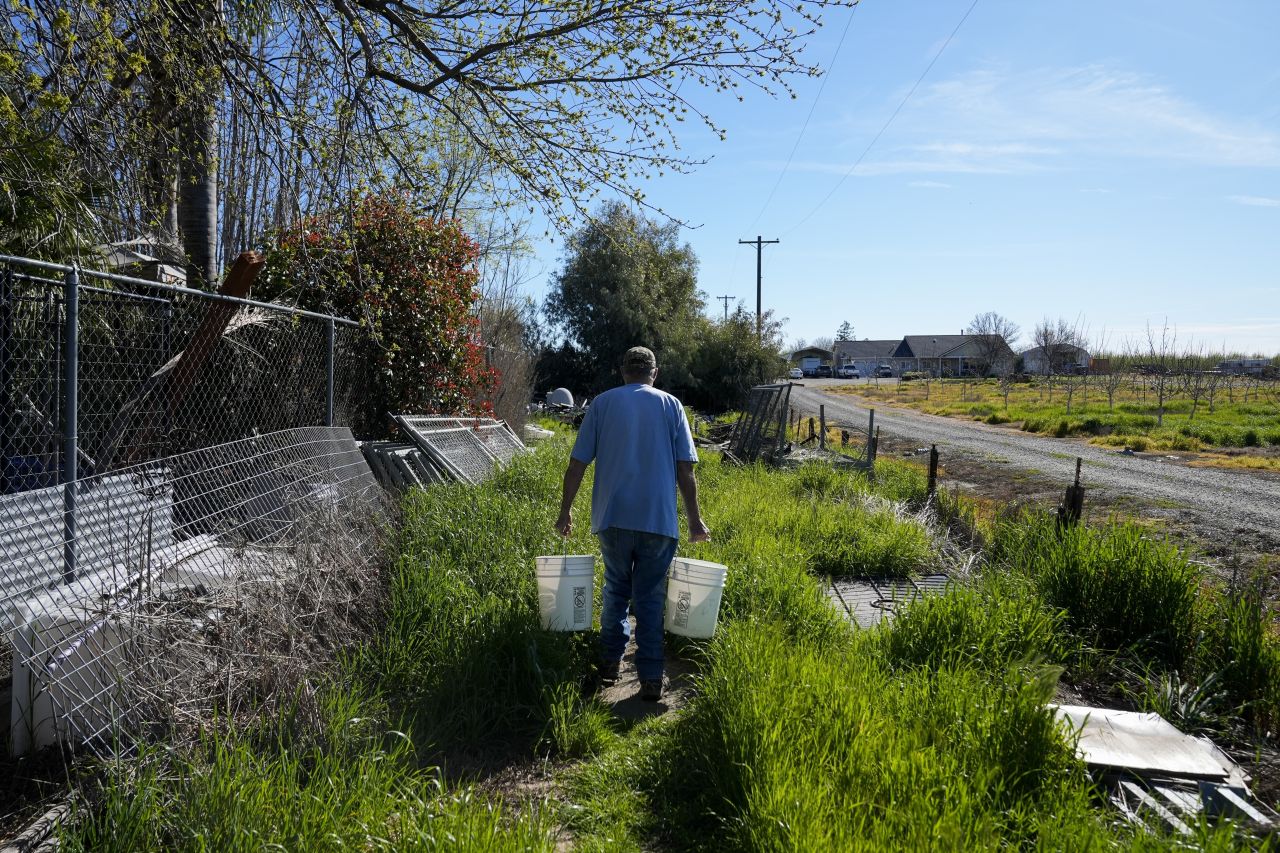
930, 185
1254, 200
997, 120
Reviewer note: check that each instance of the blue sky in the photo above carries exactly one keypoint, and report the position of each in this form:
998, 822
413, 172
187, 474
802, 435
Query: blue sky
1116, 163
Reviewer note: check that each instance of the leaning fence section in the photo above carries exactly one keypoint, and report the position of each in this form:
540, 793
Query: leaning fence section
166, 457
761, 432
464, 449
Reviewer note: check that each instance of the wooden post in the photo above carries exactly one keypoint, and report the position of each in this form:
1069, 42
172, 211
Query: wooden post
875, 447
1072, 509
844, 438
931, 492
812, 429
822, 426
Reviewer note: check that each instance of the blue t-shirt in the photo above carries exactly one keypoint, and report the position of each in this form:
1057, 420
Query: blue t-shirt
636, 434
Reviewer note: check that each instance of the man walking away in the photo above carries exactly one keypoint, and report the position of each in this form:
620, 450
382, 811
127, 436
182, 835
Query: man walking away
640, 441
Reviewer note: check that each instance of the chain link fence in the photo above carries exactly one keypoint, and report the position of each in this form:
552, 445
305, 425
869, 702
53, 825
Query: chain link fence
183, 509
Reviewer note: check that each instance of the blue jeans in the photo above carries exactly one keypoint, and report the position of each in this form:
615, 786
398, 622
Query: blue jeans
635, 566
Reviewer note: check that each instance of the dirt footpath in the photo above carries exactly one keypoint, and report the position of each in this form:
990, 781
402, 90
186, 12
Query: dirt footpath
1228, 511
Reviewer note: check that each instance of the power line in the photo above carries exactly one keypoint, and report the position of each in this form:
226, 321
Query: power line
821, 87
885, 127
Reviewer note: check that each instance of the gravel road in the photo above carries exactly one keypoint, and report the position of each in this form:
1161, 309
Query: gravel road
1235, 510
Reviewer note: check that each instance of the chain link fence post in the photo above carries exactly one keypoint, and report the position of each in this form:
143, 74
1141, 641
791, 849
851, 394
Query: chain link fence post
330, 360
69, 472
6, 376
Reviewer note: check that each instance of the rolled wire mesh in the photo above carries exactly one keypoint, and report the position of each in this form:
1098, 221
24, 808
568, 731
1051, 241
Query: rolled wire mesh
203, 475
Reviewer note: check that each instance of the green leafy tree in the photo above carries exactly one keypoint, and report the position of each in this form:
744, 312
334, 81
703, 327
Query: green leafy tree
628, 281
730, 359
293, 104
845, 332
411, 282
45, 197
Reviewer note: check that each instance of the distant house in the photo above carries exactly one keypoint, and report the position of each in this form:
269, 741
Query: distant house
1245, 366
864, 355
1060, 358
952, 355
823, 355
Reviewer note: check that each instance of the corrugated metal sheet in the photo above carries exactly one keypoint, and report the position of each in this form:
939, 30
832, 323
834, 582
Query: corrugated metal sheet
119, 520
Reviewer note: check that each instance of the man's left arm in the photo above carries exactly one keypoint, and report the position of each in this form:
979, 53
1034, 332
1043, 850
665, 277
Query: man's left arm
688, 485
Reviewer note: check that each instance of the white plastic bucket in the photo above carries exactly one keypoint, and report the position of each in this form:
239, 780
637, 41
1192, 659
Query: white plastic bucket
566, 591
693, 597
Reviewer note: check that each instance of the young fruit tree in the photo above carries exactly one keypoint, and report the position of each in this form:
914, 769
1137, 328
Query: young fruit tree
996, 337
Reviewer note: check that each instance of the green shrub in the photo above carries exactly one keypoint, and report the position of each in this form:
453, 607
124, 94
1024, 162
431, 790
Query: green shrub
411, 281
1251, 438
1093, 426
997, 418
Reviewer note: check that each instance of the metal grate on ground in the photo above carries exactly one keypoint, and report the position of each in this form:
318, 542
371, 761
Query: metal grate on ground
868, 601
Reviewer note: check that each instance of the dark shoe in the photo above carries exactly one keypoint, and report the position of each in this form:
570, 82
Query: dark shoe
651, 691
609, 672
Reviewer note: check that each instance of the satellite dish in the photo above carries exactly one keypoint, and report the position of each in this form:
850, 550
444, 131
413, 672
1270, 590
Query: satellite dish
560, 397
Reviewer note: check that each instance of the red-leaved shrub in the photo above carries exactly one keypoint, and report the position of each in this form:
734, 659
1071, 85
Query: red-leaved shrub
410, 281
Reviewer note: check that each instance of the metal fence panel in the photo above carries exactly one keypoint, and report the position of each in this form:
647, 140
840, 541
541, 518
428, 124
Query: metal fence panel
93, 654
164, 453
467, 448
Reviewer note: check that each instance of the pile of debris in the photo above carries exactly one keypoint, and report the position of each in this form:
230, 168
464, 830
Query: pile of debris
441, 449
1157, 775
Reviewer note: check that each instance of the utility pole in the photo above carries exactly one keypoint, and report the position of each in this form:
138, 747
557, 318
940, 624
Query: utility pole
725, 300
759, 244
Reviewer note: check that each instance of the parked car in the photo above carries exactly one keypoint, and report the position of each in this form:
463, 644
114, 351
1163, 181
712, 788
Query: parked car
823, 371
849, 371
884, 371
796, 373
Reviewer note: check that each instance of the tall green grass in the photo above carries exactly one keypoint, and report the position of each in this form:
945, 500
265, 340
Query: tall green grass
1242, 649
354, 784
991, 625
1119, 588
463, 651
803, 733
